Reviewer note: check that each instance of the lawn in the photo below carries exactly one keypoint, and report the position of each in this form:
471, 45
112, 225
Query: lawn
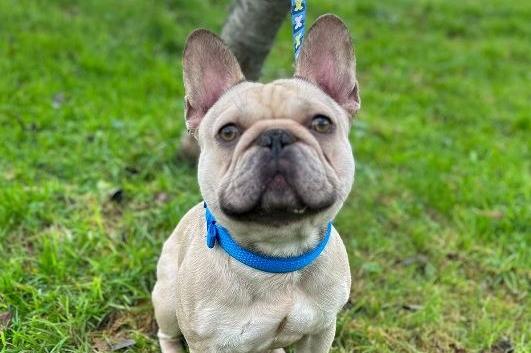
438, 226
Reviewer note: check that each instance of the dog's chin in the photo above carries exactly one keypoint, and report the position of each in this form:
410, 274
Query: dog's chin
278, 205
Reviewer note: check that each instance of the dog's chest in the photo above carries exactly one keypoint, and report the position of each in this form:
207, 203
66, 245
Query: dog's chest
275, 321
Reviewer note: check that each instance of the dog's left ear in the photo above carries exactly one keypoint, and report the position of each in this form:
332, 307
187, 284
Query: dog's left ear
327, 60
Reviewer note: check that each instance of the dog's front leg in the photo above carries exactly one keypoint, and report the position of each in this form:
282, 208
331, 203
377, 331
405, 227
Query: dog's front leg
320, 342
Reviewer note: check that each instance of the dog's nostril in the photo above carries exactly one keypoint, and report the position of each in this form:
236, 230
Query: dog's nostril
275, 139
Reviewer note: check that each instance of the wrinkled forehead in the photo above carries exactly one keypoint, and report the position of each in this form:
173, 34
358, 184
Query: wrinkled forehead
249, 102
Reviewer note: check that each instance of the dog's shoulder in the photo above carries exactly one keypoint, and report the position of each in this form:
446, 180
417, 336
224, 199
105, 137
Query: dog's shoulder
192, 220
177, 245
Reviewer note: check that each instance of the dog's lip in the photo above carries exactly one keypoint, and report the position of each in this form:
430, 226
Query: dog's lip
276, 216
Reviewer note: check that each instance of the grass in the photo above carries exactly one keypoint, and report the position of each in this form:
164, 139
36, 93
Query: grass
438, 226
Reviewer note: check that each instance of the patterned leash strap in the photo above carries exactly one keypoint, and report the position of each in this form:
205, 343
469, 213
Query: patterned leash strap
298, 19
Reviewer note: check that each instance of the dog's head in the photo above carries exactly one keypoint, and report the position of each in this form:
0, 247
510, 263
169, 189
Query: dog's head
274, 154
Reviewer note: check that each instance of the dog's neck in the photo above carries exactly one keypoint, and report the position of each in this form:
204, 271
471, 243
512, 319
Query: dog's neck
285, 241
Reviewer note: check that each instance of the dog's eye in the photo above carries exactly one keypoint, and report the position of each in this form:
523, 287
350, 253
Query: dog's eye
321, 124
229, 132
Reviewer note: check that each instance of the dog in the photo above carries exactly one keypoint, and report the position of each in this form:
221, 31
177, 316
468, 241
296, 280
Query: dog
275, 168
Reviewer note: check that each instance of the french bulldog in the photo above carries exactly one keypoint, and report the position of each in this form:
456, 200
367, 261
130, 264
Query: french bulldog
275, 167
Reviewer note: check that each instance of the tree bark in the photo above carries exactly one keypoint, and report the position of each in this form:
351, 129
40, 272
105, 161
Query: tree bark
249, 31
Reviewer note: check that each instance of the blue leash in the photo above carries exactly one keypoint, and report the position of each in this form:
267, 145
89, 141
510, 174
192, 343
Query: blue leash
298, 20
217, 234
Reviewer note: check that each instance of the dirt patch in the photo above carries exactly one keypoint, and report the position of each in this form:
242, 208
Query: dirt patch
115, 330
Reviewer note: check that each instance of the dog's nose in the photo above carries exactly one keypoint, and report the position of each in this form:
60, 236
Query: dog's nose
275, 139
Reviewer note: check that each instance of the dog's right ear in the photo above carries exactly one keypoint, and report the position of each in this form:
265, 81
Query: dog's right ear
209, 69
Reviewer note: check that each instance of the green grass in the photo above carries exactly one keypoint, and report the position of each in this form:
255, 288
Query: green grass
438, 226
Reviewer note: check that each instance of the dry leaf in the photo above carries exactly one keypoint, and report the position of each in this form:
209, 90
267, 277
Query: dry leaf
412, 307
503, 345
492, 214
122, 344
5, 320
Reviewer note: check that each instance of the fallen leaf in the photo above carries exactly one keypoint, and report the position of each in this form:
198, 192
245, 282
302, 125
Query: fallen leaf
9, 175
122, 344
100, 345
456, 349
132, 169
161, 197
58, 100
452, 256
5, 320
412, 307
492, 214
117, 195
416, 259
503, 345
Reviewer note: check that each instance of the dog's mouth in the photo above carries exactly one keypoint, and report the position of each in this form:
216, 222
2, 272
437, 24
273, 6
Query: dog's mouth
279, 203
275, 217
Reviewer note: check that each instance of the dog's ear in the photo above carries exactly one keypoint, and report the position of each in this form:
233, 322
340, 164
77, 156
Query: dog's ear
327, 60
209, 69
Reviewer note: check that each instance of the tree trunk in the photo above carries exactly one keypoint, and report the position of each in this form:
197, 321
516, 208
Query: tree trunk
249, 31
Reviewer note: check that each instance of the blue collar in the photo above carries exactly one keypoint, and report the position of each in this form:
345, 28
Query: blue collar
216, 233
